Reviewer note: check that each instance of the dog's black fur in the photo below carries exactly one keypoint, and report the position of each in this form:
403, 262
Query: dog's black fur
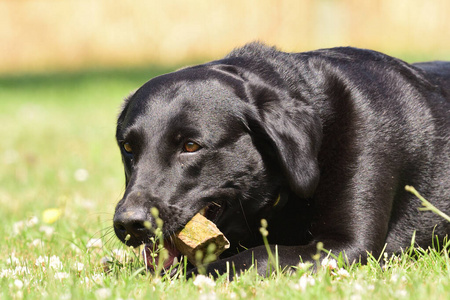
336, 133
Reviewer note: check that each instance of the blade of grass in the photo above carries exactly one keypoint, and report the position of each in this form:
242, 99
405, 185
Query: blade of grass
427, 206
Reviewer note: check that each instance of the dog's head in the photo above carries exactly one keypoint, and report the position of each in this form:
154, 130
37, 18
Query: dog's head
217, 137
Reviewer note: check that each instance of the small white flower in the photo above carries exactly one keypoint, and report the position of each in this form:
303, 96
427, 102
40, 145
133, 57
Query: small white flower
67, 296
61, 275
120, 254
329, 263
304, 281
12, 260
103, 293
106, 263
55, 263
48, 230
342, 273
81, 175
79, 266
32, 221
94, 243
41, 260
304, 266
5, 273
208, 296
37, 243
98, 278
21, 271
85, 281
18, 227
394, 278
202, 281
18, 283
357, 287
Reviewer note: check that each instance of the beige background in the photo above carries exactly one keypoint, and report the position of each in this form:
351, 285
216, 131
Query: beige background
43, 35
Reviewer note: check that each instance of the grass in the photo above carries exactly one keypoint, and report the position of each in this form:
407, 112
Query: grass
61, 177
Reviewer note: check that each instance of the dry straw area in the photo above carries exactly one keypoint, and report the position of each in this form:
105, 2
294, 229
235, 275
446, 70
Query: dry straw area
50, 34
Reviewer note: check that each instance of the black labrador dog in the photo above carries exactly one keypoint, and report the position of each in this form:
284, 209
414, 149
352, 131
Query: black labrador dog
320, 144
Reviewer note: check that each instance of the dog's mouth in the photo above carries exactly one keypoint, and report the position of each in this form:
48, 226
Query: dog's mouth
151, 252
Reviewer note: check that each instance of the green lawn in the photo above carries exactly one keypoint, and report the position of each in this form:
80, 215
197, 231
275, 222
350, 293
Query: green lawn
57, 151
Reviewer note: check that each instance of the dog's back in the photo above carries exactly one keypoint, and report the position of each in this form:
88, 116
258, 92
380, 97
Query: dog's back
438, 71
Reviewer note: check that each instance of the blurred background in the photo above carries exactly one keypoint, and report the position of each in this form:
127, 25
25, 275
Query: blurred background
44, 35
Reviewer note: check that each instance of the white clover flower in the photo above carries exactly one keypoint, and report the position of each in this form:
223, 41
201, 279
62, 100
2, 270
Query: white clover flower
342, 273
394, 278
12, 260
208, 296
120, 254
304, 281
357, 287
37, 243
304, 266
18, 227
5, 273
55, 263
98, 278
32, 221
48, 230
81, 175
85, 281
94, 243
329, 263
18, 283
61, 275
79, 266
41, 260
103, 293
202, 281
67, 296
20, 271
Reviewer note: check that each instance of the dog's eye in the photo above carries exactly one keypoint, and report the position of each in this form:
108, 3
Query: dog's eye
127, 148
191, 147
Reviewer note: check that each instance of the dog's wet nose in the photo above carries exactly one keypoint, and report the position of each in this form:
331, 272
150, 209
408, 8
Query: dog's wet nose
130, 226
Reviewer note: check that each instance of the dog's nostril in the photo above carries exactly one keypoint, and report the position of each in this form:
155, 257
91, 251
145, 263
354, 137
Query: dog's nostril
120, 227
130, 226
137, 226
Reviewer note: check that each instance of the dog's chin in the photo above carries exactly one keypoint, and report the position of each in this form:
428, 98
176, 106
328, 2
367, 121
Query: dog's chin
212, 212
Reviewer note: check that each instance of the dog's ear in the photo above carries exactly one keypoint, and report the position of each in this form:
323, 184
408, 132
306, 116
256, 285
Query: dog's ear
293, 131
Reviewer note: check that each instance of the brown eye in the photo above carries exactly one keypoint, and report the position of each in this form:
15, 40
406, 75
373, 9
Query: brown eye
127, 148
191, 147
